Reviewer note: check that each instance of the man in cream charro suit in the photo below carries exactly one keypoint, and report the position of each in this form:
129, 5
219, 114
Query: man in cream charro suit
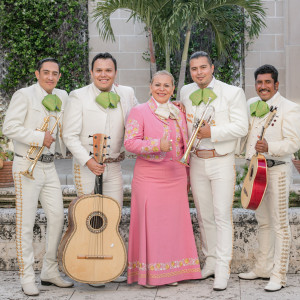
87, 114
27, 110
212, 165
281, 140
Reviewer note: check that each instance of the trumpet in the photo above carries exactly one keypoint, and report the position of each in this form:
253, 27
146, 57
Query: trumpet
29, 172
207, 115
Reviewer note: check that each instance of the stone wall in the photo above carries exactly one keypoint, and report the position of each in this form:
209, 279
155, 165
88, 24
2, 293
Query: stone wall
128, 49
279, 45
245, 243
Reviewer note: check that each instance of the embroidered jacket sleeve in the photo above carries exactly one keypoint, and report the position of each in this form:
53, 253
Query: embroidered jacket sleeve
13, 126
72, 126
135, 141
235, 123
290, 128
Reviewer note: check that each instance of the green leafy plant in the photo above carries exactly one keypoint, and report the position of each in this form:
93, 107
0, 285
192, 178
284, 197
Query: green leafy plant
297, 155
170, 25
31, 30
5, 152
239, 179
228, 66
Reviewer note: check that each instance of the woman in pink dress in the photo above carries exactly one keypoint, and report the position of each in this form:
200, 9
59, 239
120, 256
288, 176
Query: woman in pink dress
161, 246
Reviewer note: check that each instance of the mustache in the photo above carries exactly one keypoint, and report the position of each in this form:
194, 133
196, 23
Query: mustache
264, 90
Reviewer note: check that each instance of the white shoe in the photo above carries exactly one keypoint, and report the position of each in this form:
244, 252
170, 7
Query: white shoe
220, 284
173, 284
30, 289
273, 287
97, 285
57, 281
148, 286
120, 279
249, 276
206, 273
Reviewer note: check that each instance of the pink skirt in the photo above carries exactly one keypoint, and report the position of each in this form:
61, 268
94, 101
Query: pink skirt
161, 246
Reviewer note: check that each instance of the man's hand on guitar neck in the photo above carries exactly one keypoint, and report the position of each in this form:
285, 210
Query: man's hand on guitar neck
261, 146
96, 168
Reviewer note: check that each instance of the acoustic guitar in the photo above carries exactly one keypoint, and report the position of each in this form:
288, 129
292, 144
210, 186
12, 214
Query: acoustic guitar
92, 250
255, 182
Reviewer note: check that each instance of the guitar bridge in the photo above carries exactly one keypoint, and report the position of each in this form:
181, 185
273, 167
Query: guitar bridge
94, 257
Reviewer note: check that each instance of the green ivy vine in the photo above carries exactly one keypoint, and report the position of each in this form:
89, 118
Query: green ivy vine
31, 30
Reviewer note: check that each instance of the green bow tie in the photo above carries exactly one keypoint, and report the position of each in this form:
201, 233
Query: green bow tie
259, 109
202, 95
52, 102
108, 99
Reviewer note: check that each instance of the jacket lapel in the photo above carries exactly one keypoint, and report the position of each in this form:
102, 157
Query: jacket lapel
183, 130
123, 102
217, 90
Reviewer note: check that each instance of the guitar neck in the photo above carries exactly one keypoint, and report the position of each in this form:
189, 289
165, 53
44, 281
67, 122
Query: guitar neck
262, 135
98, 188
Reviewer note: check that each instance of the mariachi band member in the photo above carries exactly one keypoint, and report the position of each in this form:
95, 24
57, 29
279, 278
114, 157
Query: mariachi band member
161, 246
212, 165
26, 113
101, 107
281, 140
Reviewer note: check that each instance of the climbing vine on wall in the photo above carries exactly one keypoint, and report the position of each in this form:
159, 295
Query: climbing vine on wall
31, 30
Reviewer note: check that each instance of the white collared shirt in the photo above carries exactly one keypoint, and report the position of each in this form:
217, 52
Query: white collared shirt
256, 128
205, 144
52, 120
111, 126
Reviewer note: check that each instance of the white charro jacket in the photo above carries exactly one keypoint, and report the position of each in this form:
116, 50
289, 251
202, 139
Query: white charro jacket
26, 113
85, 117
282, 135
231, 119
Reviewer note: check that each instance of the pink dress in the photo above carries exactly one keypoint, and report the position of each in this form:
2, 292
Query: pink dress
161, 246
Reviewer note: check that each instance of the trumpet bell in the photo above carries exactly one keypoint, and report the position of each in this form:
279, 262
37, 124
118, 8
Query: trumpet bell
28, 174
184, 161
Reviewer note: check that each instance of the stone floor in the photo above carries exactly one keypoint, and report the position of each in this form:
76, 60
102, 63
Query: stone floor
237, 290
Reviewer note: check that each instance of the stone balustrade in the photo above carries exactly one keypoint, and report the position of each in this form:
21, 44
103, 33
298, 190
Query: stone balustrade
245, 242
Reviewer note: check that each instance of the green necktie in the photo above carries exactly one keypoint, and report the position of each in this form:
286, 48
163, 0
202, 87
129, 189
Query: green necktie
52, 102
202, 95
108, 99
259, 109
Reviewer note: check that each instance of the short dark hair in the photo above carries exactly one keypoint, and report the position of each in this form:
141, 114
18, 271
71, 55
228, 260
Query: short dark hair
51, 59
267, 69
201, 54
105, 55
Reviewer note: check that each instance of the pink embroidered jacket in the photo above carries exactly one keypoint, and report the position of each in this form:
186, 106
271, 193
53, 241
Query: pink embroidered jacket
144, 129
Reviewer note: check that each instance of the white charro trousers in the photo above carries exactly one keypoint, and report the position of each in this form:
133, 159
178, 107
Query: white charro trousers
274, 234
84, 181
213, 185
46, 188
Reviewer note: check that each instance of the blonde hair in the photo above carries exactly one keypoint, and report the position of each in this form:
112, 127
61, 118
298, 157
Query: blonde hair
163, 72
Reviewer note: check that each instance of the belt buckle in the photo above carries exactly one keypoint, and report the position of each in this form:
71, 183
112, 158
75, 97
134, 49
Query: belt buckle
46, 158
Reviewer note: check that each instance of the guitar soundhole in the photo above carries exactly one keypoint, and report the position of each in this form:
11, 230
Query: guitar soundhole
96, 222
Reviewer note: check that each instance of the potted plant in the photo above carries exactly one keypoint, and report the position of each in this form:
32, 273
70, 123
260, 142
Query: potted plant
6, 153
